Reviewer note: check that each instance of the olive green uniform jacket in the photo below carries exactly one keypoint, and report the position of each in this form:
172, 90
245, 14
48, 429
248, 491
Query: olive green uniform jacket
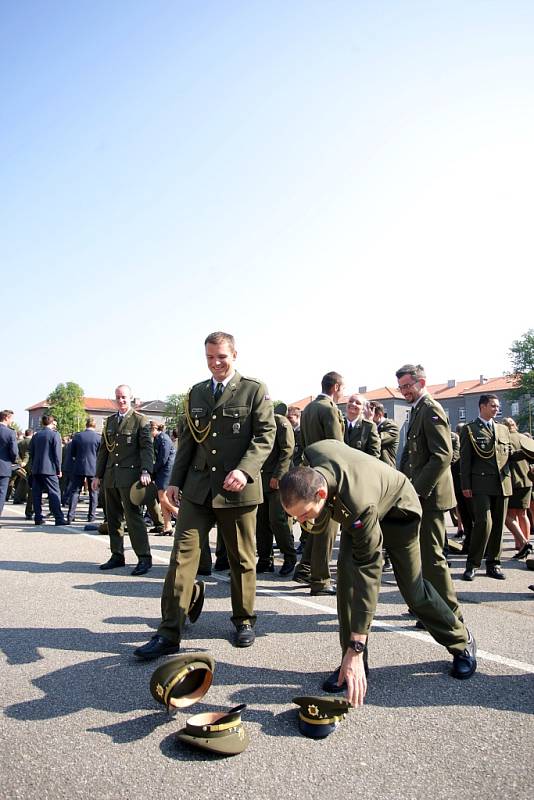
361, 491
427, 455
131, 450
278, 461
321, 419
363, 435
484, 459
236, 432
389, 441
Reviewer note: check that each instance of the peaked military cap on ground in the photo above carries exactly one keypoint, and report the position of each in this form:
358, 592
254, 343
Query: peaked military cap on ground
219, 732
319, 716
182, 680
143, 495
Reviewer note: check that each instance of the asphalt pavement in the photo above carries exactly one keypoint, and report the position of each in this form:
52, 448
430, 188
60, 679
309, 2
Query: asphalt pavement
79, 721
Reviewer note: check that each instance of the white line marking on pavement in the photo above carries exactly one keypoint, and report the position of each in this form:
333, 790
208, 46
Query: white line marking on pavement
522, 666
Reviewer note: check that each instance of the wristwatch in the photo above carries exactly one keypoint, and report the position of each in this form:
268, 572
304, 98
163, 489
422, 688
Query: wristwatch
358, 647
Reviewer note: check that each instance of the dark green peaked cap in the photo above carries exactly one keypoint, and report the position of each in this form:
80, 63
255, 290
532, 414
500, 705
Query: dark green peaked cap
219, 732
182, 680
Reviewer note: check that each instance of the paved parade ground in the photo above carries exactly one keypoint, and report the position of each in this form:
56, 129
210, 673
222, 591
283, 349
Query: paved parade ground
79, 720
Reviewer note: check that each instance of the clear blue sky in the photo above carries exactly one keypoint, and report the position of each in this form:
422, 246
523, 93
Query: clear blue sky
342, 185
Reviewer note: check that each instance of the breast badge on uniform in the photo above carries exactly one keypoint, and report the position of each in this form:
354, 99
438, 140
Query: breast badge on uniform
182, 681
319, 716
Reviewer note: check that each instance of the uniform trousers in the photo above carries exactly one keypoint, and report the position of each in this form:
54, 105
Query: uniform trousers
47, 484
489, 512
237, 527
401, 539
4, 483
432, 539
118, 508
272, 521
314, 564
76, 487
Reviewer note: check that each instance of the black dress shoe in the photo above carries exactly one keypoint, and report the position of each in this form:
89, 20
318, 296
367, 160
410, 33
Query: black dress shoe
197, 601
469, 574
287, 568
221, 565
156, 647
40, 522
116, 560
244, 635
331, 685
326, 590
420, 626
495, 572
156, 529
525, 551
264, 566
464, 664
302, 577
143, 565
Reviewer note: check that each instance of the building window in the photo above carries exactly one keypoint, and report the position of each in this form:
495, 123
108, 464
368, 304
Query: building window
461, 414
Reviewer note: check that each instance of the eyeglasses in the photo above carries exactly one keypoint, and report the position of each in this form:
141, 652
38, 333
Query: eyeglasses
406, 386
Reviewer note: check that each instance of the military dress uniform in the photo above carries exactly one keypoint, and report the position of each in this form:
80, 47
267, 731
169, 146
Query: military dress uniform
388, 430
321, 419
272, 520
426, 460
377, 505
362, 435
235, 431
485, 452
125, 451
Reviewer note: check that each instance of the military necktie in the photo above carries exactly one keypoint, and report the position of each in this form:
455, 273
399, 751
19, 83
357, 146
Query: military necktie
219, 389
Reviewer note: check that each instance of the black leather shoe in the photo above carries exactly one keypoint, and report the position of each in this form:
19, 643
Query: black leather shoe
495, 572
330, 684
301, 577
115, 561
286, 568
156, 529
420, 626
221, 565
197, 601
143, 565
244, 635
40, 522
165, 533
469, 574
525, 551
264, 566
156, 647
326, 590
464, 664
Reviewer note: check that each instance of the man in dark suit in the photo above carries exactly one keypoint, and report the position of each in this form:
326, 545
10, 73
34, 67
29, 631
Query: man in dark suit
426, 461
375, 505
361, 433
8, 454
485, 450
321, 419
388, 430
125, 456
84, 449
45, 456
230, 432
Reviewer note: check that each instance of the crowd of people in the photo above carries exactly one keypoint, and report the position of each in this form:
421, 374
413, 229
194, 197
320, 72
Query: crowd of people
252, 470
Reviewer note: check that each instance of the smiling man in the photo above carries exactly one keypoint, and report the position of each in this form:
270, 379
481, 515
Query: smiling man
217, 474
375, 505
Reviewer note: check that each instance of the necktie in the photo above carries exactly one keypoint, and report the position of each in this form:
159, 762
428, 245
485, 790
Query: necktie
219, 389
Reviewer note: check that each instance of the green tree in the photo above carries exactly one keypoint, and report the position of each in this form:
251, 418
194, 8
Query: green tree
522, 359
66, 404
174, 411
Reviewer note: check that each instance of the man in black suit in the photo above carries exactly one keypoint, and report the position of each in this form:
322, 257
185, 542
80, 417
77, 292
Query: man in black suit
45, 455
83, 452
8, 454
